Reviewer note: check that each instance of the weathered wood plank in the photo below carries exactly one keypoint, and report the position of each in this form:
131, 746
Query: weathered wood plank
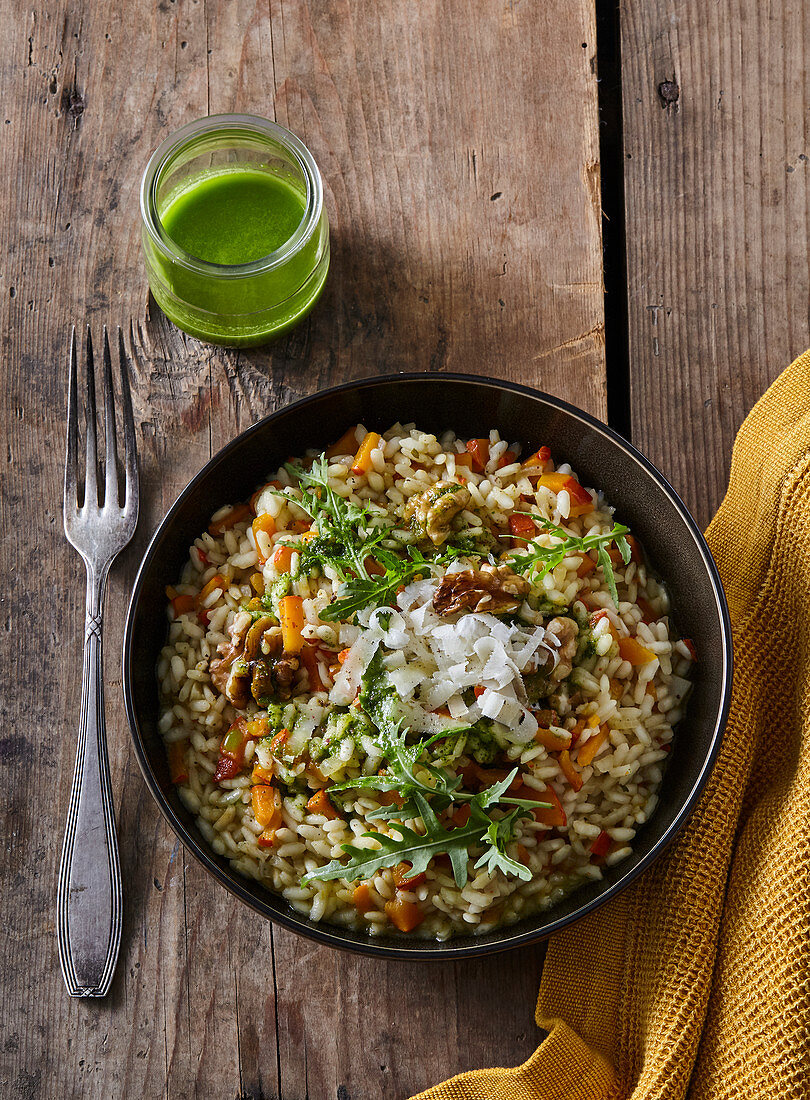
463, 194
717, 216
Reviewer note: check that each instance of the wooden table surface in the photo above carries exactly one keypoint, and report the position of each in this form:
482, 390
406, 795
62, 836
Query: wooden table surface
477, 158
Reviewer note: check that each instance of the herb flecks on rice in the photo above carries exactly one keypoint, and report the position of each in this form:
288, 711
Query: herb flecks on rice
417, 683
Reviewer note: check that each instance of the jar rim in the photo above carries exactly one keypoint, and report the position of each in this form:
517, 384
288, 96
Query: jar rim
231, 123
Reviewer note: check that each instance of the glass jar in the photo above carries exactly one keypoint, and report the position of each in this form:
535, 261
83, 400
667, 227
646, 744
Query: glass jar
234, 304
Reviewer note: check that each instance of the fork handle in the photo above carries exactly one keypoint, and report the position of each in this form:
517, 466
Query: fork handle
89, 891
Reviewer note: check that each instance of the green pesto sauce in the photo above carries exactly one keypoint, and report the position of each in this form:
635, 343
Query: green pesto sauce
234, 217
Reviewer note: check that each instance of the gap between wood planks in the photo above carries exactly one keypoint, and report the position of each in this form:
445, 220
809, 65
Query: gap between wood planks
614, 254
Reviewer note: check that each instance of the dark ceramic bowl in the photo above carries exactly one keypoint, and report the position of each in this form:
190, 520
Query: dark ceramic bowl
471, 406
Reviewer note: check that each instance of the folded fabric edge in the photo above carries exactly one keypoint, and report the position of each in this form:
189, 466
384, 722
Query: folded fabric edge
782, 417
563, 1067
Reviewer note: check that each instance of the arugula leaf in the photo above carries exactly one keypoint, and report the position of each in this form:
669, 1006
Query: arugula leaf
400, 776
446, 792
418, 849
539, 560
604, 561
495, 858
356, 592
347, 534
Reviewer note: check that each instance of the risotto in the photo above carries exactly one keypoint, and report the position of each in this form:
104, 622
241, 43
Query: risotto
420, 684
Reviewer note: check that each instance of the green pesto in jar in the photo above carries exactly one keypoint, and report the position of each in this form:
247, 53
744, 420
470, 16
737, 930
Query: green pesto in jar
234, 217
235, 237
231, 218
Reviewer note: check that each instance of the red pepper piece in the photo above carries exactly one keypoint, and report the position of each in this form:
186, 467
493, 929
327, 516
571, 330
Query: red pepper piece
601, 846
232, 752
479, 449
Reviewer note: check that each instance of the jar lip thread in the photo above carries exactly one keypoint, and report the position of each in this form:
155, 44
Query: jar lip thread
162, 156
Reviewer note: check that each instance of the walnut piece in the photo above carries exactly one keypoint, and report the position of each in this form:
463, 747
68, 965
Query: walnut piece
430, 513
253, 664
493, 588
567, 631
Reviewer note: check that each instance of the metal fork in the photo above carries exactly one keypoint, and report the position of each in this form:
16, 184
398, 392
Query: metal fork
98, 525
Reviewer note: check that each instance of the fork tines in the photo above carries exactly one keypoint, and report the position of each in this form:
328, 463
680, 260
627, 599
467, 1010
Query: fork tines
120, 480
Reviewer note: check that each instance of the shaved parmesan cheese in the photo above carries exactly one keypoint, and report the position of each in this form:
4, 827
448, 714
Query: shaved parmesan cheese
347, 681
679, 688
298, 739
405, 680
432, 661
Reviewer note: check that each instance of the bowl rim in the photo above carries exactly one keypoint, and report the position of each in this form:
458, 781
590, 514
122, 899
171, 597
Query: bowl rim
333, 935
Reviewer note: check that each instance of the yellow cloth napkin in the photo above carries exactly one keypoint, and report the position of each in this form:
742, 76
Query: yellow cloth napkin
696, 980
